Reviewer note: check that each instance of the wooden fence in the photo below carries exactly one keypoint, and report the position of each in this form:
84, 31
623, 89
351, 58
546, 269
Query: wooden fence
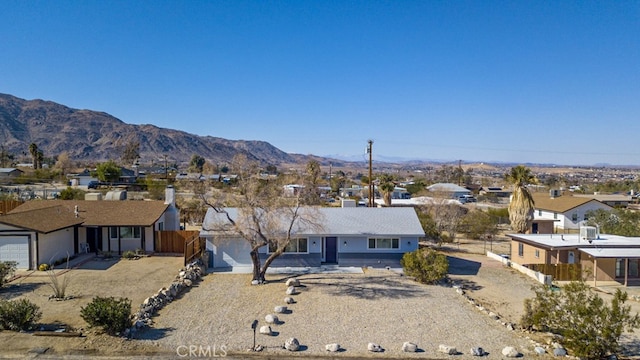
186, 242
560, 272
8, 205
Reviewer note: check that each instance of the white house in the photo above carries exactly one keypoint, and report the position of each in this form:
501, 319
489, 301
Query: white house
567, 212
449, 190
354, 236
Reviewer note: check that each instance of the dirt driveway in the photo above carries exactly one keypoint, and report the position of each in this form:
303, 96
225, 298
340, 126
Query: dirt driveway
132, 279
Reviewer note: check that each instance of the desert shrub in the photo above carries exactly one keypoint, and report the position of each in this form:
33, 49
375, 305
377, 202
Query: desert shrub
58, 283
7, 269
111, 314
18, 315
425, 265
129, 254
581, 316
43, 267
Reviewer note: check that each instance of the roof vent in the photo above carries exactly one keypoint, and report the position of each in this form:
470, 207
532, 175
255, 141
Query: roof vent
554, 193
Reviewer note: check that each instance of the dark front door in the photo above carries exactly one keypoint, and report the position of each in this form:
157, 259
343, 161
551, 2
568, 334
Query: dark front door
331, 250
534, 228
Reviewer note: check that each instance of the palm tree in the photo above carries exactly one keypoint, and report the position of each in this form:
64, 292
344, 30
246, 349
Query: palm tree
521, 206
33, 150
386, 188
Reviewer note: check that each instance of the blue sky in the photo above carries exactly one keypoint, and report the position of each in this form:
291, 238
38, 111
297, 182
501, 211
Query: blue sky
510, 81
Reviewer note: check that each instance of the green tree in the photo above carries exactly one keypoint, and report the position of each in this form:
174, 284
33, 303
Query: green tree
616, 222
590, 328
108, 171
478, 225
522, 205
72, 194
429, 225
197, 163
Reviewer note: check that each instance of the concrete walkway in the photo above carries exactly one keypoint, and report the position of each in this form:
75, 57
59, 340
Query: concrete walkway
328, 269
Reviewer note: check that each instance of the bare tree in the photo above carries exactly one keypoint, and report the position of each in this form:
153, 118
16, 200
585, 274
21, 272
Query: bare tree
260, 215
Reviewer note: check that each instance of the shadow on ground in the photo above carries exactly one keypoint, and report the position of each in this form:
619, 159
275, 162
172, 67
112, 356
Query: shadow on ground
368, 287
459, 266
153, 333
16, 289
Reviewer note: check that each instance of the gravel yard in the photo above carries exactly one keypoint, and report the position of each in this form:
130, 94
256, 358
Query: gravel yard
378, 306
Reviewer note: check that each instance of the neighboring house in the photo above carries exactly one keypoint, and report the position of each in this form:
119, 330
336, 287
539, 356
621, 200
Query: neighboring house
82, 179
495, 191
601, 257
449, 190
292, 189
10, 173
352, 236
567, 211
44, 231
613, 200
399, 193
353, 191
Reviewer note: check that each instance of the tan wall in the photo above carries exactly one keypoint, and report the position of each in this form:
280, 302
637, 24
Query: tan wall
606, 269
528, 255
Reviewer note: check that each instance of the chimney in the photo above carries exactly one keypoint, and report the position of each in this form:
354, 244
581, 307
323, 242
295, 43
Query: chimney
170, 195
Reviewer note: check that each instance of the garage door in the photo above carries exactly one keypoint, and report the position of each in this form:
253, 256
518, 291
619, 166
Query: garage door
15, 248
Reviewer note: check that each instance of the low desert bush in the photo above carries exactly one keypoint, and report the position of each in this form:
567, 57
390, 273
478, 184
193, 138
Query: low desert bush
18, 315
7, 269
43, 267
425, 265
590, 328
111, 314
129, 254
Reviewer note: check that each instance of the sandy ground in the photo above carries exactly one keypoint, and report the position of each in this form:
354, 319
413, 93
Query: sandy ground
132, 279
351, 309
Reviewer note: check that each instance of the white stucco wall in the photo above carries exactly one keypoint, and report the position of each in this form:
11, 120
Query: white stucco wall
56, 245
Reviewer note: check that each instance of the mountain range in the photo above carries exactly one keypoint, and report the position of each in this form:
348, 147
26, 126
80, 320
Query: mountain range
97, 136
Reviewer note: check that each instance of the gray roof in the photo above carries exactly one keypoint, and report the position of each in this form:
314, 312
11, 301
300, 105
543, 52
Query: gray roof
390, 221
447, 187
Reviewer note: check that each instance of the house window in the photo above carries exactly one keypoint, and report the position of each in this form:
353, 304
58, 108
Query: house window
537, 254
539, 212
130, 232
555, 215
586, 217
574, 217
113, 232
160, 226
520, 249
383, 243
295, 246
620, 268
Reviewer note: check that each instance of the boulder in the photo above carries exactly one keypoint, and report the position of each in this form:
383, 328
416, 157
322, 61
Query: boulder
373, 347
289, 300
409, 347
292, 344
291, 290
449, 350
332, 347
510, 352
266, 330
280, 309
560, 351
187, 282
539, 350
255, 282
271, 319
293, 282
477, 351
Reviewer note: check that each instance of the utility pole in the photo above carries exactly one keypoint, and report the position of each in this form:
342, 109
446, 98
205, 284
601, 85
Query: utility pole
371, 193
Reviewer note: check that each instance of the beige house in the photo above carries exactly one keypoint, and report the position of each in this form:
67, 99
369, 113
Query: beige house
601, 257
43, 231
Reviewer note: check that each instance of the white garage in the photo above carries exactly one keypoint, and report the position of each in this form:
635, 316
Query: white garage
15, 248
